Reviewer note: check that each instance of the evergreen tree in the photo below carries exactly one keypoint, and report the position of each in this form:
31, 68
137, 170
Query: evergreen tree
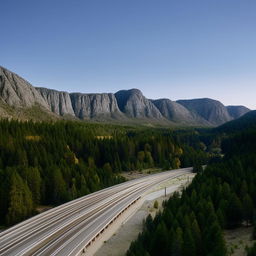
160, 243
196, 232
247, 208
177, 243
234, 212
197, 167
34, 182
215, 241
20, 200
189, 247
59, 187
73, 189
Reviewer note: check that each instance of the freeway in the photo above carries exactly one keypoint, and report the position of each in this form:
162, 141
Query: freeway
71, 228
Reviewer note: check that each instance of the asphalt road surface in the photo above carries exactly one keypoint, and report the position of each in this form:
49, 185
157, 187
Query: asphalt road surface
70, 228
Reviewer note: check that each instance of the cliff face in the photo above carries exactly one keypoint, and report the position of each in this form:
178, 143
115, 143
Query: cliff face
58, 102
88, 106
17, 92
82, 106
135, 105
19, 99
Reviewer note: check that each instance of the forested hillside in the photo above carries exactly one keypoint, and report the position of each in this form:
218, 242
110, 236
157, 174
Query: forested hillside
246, 122
51, 163
222, 196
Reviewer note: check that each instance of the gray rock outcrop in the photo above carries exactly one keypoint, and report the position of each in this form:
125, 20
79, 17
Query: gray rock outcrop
17, 92
135, 105
87, 106
59, 102
27, 101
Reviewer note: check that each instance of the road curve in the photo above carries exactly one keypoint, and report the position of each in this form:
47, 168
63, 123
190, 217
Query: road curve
70, 228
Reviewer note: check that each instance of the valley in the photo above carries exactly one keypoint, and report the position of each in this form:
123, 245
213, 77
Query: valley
92, 156
128, 128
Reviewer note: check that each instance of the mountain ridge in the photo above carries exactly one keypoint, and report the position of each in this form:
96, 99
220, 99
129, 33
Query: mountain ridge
211, 110
123, 106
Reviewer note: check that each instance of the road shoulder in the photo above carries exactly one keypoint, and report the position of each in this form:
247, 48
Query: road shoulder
127, 228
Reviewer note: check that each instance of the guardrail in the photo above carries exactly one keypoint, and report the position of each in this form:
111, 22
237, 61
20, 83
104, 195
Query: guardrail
107, 225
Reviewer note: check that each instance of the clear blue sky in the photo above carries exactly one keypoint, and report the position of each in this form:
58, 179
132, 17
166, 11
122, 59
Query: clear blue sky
167, 48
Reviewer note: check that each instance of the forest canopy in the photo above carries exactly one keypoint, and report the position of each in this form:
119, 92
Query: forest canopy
52, 163
223, 196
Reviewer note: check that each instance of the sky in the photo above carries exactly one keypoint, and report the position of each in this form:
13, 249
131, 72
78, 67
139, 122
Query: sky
176, 49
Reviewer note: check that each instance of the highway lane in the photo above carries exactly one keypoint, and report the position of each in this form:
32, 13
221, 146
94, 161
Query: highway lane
51, 222
58, 213
77, 243
69, 228
61, 227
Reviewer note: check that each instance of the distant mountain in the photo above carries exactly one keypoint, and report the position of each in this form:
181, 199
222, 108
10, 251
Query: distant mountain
19, 99
174, 111
246, 122
237, 111
211, 110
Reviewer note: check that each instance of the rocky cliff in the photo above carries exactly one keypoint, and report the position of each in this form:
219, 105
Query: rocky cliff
19, 99
135, 105
88, 106
17, 92
58, 102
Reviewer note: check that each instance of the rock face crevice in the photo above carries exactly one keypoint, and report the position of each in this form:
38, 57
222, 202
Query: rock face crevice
59, 102
87, 106
125, 105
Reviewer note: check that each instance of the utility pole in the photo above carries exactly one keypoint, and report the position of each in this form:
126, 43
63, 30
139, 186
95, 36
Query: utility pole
165, 191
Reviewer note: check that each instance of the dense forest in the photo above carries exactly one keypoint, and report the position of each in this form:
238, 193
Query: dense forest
223, 196
52, 163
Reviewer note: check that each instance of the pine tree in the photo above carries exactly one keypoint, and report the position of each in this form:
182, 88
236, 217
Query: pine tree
73, 189
177, 243
197, 167
215, 243
83, 187
221, 218
234, 212
189, 247
160, 243
247, 209
34, 183
197, 237
20, 200
59, 187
